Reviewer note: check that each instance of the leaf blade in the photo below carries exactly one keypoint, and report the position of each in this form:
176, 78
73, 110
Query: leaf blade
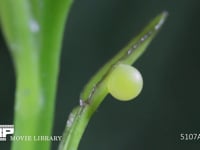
128, 55
96, 89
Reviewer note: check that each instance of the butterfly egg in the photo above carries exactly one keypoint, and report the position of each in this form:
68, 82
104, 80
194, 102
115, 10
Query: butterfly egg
125, 82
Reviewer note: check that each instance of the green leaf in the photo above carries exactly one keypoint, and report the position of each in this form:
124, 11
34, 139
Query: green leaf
96, 89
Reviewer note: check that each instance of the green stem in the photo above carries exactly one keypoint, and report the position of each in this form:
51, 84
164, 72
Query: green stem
78, 120
96, 90
33, 30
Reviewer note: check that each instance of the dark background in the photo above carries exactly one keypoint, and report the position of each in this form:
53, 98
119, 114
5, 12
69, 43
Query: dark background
169, 103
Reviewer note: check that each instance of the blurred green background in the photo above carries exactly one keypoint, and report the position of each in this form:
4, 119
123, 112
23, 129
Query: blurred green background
170, 101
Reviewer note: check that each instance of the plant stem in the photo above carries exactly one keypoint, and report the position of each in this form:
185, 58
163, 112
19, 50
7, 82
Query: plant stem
33, 31
78, 120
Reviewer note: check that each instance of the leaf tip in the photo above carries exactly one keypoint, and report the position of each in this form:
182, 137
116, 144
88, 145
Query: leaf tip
162, 19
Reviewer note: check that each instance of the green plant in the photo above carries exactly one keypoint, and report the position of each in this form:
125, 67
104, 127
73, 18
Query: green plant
33, 30
96, 90
34, 41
